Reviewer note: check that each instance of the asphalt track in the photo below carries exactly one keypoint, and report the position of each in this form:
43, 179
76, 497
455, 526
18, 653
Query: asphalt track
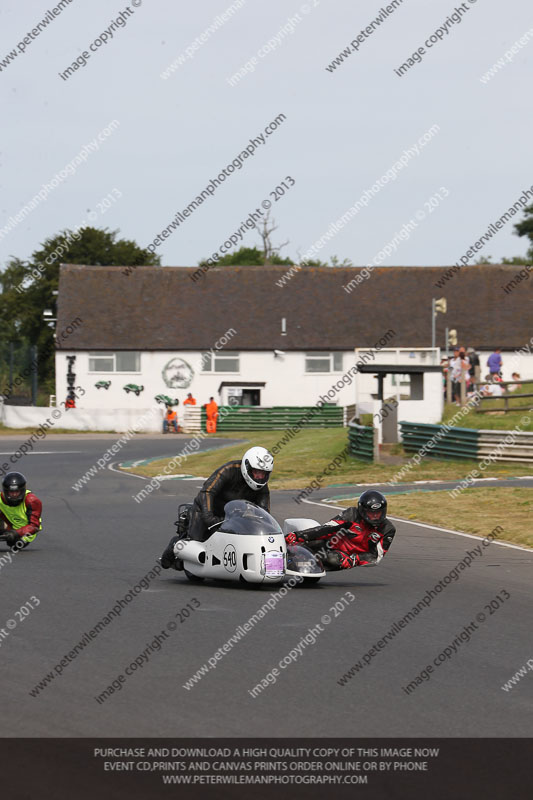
98, 543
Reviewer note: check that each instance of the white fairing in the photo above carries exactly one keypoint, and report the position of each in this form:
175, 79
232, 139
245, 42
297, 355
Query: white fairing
230, 557
298, 524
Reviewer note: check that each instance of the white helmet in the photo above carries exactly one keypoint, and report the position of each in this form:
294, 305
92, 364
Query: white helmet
256, 465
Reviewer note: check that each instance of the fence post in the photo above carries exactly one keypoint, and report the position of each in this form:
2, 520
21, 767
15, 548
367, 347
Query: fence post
376, 444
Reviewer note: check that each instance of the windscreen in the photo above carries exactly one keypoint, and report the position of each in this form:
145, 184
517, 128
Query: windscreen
300, 559
243, 517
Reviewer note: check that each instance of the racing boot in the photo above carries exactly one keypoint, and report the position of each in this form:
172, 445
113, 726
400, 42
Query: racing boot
168, 559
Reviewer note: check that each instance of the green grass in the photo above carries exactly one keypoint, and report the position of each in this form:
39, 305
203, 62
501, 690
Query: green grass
309, 452
496, 419
476, 511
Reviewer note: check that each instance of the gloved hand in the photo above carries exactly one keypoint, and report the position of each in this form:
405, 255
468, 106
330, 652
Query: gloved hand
347, 562
11, 538
291, 538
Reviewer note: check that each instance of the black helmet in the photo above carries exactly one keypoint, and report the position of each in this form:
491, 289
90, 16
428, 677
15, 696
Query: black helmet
14, 488
372, 507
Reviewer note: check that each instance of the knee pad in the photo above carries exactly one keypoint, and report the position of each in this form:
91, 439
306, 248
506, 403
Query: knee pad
333, 559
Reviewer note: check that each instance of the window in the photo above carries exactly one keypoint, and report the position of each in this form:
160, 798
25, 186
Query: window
323, 362
101, 363
337, 362
125, 361
401, 380
220, 362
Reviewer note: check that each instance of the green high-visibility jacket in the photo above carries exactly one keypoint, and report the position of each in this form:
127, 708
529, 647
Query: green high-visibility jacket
17, 515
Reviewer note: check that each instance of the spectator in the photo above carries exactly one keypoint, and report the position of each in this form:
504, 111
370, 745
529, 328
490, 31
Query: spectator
513, 387
494, 388
459, 366
465, 366
190, 401
170, 421
495, 362
211, 410
475, 367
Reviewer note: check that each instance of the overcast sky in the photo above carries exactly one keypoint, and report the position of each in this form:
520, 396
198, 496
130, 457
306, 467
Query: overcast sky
343, 129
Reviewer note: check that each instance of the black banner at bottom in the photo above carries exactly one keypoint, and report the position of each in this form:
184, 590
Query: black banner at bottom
372, 769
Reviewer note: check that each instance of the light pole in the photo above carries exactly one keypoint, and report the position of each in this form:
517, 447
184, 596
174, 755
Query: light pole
437, 306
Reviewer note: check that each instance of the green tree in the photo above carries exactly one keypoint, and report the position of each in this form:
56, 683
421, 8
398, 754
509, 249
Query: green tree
247, 257
518, 261
30, 287
525, 228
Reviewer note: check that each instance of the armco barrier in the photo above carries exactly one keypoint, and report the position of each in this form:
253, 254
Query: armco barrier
468, 442
452, 443
256, 418
518, 447
362, 441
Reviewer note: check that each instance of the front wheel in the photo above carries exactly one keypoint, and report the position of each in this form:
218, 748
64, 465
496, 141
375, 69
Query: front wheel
193, 578
309, 581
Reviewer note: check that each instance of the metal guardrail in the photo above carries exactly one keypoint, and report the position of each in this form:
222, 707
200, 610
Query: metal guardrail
257, 418
519, 449
363, 442
470, 443
453, 443
190, 419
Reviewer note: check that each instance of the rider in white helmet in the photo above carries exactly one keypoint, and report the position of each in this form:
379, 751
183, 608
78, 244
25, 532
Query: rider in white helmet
245, 479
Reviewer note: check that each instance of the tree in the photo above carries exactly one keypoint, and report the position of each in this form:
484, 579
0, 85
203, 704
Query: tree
519, 261
28, 287
94, 247
265, 231
525, 228
246, 257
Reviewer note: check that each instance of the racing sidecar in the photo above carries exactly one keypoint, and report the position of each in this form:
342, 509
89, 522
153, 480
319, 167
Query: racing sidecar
249, 546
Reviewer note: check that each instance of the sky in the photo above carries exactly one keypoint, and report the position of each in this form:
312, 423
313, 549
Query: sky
155, 114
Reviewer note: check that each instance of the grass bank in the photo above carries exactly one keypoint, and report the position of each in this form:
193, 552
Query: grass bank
476, 511
310, 452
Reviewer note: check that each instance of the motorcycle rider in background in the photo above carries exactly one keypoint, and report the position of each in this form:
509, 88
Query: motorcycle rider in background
359, 537
246, 479
20, 511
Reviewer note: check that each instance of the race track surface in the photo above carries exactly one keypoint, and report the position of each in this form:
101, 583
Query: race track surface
98, 543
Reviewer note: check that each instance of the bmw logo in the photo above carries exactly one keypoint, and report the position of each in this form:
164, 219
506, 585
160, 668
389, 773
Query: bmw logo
271, 539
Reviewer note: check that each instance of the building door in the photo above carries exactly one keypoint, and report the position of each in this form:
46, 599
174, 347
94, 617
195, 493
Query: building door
251, 397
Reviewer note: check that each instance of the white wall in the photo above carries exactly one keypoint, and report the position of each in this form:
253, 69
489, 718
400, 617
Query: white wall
286, 381
147, 420
523, 364
428, 410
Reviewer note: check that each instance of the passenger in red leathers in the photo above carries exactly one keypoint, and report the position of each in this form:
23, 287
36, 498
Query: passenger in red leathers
359, 537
